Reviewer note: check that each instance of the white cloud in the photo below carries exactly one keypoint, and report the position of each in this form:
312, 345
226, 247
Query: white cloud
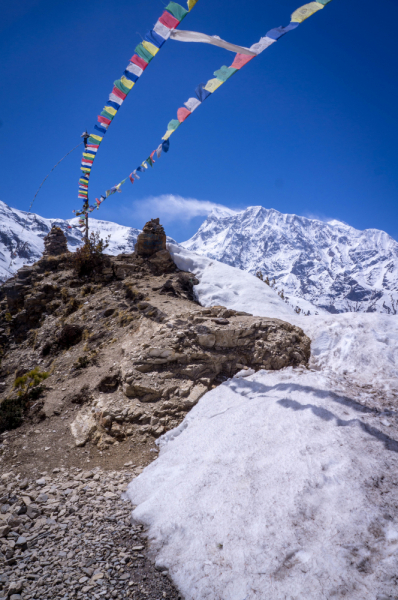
171, 208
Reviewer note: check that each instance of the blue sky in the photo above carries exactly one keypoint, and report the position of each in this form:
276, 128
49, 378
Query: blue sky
309, 127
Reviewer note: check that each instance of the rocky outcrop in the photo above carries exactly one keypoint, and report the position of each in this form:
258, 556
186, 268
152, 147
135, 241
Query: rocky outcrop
168, 366
55, 242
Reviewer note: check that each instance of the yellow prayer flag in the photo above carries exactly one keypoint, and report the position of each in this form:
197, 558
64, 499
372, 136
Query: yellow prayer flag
302, 13
168, 134
213, 84
110, 110
150, 47
191, 4
90, 156
127, 82
96, 137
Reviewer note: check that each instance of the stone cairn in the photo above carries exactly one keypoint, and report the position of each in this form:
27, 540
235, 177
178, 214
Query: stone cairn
55, 242
151, 240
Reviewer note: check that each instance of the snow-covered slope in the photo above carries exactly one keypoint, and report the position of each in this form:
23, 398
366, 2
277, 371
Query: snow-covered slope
282, 485
21, 237
330, 265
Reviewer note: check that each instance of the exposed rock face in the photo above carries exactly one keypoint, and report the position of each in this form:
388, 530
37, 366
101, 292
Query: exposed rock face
168, 366
151, 240
55, 242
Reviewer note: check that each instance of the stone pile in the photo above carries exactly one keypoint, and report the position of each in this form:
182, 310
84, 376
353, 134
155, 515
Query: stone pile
151, 240
55, 242
70, 535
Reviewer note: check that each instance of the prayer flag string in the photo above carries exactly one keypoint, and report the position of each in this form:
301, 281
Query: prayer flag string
204, 90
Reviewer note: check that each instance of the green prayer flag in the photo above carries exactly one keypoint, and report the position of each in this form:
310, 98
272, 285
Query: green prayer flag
176, 10
93, 141
149, 161
173, 125
225, 73
107, 115
120, 86
143, 53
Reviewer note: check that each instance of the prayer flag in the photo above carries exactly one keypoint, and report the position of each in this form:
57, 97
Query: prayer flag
213, 84
119, 89
152, 49
126, 83
130, 76
115, 98
240, 61
176, 10
134, 70
152, 155
225, 73
131, 178
173, 124
143, 53
104, 120
111, 104
154, 38
100, 129
109, 110
262, 44
166, 146
149, 161
182, 114
159, 151
162, 30
191, 4
192, 104
140, 62
168, 20
302, 13
135, 174
201, 93
278, 32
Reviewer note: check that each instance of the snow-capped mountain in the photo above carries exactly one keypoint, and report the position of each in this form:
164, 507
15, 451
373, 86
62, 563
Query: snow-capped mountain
22, 233
331, 265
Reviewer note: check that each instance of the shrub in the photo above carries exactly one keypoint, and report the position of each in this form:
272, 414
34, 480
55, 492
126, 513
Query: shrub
29, 388
90, 258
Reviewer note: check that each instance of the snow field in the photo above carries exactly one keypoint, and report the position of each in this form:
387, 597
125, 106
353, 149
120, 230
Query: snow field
266, 493
279, 486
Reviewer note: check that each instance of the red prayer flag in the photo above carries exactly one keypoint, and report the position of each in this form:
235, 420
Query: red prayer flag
131, 178
182, 114
152, 155
140, 62
240, 61
104, 120
119, 93
168, 20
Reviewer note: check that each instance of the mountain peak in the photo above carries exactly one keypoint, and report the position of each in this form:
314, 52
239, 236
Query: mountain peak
329, 264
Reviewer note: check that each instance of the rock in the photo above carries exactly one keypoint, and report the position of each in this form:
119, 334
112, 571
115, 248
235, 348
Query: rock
4, 531
195, 395
33, 511
41, 482
83, 427
15, 587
